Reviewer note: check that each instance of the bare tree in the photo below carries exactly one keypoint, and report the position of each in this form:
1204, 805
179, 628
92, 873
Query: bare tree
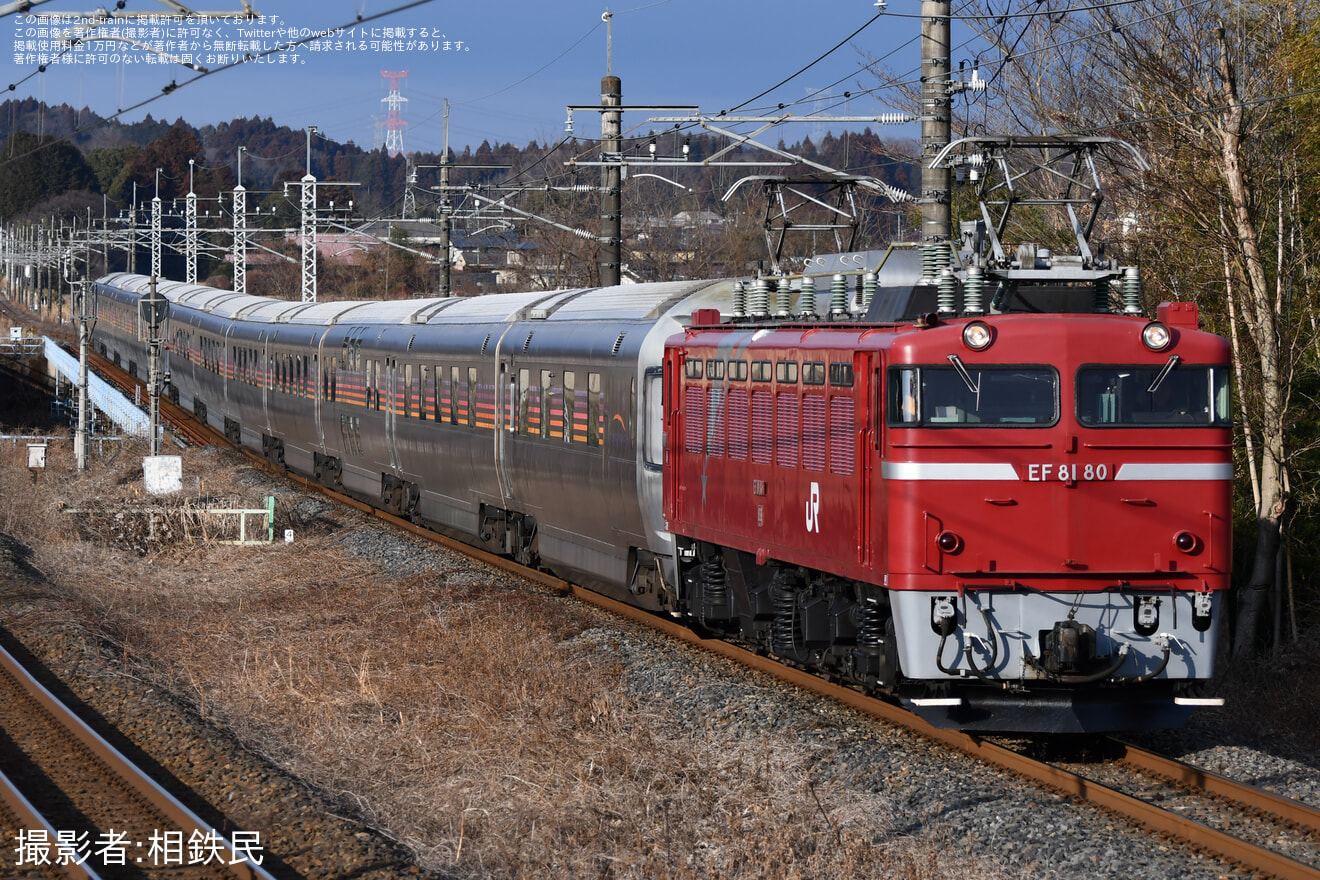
1195, 87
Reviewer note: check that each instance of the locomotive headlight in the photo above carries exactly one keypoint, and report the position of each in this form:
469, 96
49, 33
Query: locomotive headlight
1185, 541
948, 542
1156, 336
977, 336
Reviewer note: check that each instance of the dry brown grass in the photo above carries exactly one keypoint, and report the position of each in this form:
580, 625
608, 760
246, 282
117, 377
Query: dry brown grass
452, 710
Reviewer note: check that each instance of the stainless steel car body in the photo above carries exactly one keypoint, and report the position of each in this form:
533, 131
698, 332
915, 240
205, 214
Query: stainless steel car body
532, 417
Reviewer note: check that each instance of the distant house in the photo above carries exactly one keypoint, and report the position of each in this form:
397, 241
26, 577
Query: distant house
483, 252
690, 219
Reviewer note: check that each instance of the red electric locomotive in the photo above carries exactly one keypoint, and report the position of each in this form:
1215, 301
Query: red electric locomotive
1014, 521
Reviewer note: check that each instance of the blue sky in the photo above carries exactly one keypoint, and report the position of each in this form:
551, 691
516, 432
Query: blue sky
509, 70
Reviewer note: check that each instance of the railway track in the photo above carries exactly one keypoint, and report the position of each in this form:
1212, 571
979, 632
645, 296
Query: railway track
1258, 830
63, 781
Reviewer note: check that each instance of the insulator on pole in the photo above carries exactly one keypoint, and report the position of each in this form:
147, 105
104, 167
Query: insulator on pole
935, 258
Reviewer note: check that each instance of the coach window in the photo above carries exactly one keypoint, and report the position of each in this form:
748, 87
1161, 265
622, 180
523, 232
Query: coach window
409, 392
653, 389
786, 372
693, 368
714, 369
547, 380
524, 401
762, 371
738, 370
570, 407
422, 393
813, 373
962, 396
455, 379
472, 397
593, 409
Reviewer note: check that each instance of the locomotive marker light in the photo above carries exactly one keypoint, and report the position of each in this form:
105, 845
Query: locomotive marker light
1185, 541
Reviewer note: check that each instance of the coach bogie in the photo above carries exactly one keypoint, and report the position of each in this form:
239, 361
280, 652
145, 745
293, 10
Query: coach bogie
272, 449
511, 533
326, 470
399, 497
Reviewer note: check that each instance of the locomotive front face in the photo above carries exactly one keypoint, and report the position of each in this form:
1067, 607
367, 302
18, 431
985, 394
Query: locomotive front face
1058, 496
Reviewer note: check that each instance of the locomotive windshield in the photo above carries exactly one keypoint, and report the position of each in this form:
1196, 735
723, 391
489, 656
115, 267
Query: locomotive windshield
1172, 394
974, 397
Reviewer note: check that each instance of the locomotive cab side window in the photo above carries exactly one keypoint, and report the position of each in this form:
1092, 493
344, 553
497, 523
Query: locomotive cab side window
973, 397
1163, 395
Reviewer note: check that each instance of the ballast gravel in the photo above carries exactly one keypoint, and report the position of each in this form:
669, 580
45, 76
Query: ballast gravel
973, 807
301, 833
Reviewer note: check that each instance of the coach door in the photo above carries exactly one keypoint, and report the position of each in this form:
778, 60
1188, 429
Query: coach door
391, 396
506, 410
318, 388
263, 346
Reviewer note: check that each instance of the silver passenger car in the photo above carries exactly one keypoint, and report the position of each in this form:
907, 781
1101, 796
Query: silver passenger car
529, 423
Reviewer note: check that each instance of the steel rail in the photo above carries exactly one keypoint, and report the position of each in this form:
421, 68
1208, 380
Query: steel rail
195, 431
1252, 796
143, 784
1075, 785
1070, 783
26, 813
